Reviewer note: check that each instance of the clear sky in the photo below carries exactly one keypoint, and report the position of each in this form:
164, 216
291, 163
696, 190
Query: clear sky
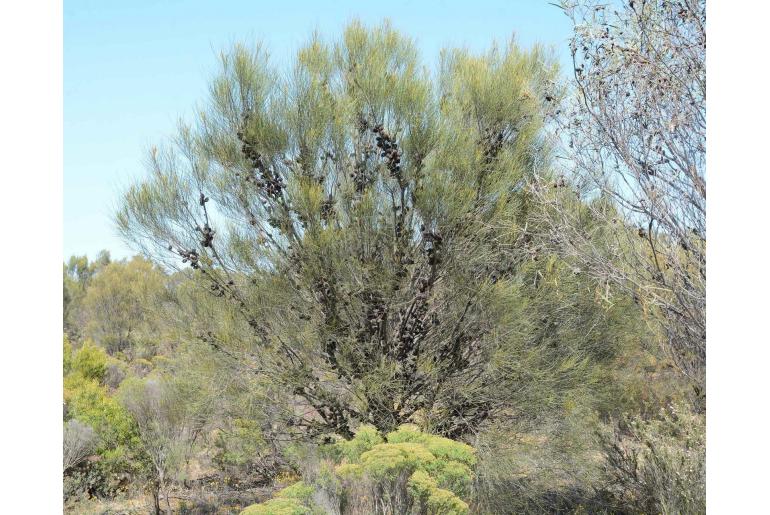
131, 69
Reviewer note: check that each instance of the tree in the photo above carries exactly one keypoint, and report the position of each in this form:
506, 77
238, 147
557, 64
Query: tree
120, 306
167, 428
635, 133
78, 273
368, 225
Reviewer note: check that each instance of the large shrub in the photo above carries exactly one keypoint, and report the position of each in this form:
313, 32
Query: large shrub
368, 223
88, 404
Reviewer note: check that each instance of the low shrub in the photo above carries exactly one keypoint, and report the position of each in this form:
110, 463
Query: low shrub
279, 506
292, 500
406, 472
90, 361
89, 404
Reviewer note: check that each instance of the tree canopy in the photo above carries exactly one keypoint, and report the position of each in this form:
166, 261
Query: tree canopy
370, 222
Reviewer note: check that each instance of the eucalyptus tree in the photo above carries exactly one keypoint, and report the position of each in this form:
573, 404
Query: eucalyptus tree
366, 220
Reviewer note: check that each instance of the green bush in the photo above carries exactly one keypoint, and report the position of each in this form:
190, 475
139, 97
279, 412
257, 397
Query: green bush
386, 461
407, 471
454, 461
89, 402
366, 438
279, 506
292, 500
299, 491
433, 499
90, 361
67, 356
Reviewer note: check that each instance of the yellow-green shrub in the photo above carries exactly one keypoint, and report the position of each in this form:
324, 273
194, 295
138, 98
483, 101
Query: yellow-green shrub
406, 471
278, 506
435, 471
299, 491
454, 461
366, 437
90, 361
89, 402
292, 500
433, 499
67, 356
388, 460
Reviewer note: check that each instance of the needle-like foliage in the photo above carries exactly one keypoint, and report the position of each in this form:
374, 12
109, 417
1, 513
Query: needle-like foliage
367, 220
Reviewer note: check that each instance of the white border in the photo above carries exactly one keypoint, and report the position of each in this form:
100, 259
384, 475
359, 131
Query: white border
31, 208
738, 309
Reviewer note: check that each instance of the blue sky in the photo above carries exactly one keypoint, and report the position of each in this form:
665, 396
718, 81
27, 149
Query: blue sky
131, 69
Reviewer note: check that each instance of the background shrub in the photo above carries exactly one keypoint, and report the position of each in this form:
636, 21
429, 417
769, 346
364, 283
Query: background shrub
659, 465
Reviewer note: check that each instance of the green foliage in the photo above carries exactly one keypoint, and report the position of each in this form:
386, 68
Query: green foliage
121, 305
90, 361
448, 462
292, 500
78, 272
442, 448
169, 413
366, 437
395, 474
278, 506
434, 500
238, 446
67, 356
435, 471
443, 467
89, 402
298, 491
372, 230
386, 461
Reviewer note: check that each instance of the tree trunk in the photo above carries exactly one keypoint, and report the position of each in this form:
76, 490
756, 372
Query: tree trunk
156, 498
